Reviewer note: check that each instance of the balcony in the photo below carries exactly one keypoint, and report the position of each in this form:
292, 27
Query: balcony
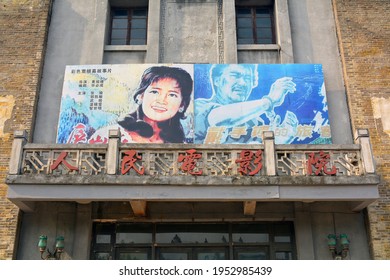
181, 172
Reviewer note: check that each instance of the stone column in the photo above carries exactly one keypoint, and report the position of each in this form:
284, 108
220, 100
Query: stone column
269, 151
362, 138
114, 138
15, 163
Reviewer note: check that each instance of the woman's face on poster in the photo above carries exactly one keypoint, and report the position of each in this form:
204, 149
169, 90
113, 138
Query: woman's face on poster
161, 99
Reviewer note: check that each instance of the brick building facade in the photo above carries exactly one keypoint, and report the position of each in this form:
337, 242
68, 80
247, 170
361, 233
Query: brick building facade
23, 30
363, 34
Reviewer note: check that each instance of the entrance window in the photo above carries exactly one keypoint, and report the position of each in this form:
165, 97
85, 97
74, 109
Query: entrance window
185, 241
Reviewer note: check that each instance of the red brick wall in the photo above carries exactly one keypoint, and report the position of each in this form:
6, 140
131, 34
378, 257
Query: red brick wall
23, 29
364, 35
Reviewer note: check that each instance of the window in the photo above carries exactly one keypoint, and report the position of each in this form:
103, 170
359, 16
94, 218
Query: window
128, 26
255, 25
203, 241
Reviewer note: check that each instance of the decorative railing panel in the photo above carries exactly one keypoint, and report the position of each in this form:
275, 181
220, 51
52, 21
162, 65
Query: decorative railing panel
314, 162
196, 160
62, 161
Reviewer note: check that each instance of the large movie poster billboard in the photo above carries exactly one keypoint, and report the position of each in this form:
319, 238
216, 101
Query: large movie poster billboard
200, 103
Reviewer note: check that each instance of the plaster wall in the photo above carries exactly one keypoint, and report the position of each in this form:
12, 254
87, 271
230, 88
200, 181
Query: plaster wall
315, 41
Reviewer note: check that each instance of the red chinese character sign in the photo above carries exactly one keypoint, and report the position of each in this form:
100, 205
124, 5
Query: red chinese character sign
250, 163
189, 162
129, 162
61, 160
318, 163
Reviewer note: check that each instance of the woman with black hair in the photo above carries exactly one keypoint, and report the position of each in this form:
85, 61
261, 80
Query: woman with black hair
163, 96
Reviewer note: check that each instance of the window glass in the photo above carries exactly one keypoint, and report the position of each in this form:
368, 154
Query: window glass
253, 254
283, 239
103, 239
138, 23
211, 256
244, 22
119, 34
264, 33
262, 11
102, 256
245, 41
138, 34
119, 23
135, 255
119, 13
254, 25
173, 256
192, 234
244, 12
140, 12
283, 233
134, 233
283, 255
128, 26
263, 22
245, 33
180, 241
250, 233
264, 41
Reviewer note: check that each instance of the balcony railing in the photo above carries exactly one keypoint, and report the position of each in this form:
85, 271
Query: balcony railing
284, 172
196, 160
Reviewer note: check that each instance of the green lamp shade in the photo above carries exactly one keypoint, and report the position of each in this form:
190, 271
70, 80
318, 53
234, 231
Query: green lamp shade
344, 240
331, 240
60, 243
42, 242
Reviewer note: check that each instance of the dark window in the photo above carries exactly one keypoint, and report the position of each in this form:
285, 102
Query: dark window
128, 26
255, 25
183, 241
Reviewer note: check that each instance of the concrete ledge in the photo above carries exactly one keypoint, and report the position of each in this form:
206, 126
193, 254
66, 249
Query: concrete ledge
132, 48
259, 47
188, 180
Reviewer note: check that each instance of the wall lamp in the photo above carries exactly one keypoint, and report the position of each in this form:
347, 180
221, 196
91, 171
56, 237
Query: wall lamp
339, 249
56, 255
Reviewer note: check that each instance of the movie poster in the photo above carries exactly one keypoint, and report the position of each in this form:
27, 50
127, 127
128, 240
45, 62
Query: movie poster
147, 103
235, 103
199, 103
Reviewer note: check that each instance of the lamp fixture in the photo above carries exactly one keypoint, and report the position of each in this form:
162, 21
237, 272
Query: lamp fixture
59, 248
339, 250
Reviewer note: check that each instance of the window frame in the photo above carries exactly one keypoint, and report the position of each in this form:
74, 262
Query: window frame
230, 247
129, 29
254, 16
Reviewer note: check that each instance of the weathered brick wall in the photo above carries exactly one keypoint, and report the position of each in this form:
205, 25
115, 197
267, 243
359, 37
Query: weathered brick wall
364, 34
23, 28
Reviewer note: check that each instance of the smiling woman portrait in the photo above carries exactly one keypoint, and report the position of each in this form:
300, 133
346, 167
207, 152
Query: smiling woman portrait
162, 97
